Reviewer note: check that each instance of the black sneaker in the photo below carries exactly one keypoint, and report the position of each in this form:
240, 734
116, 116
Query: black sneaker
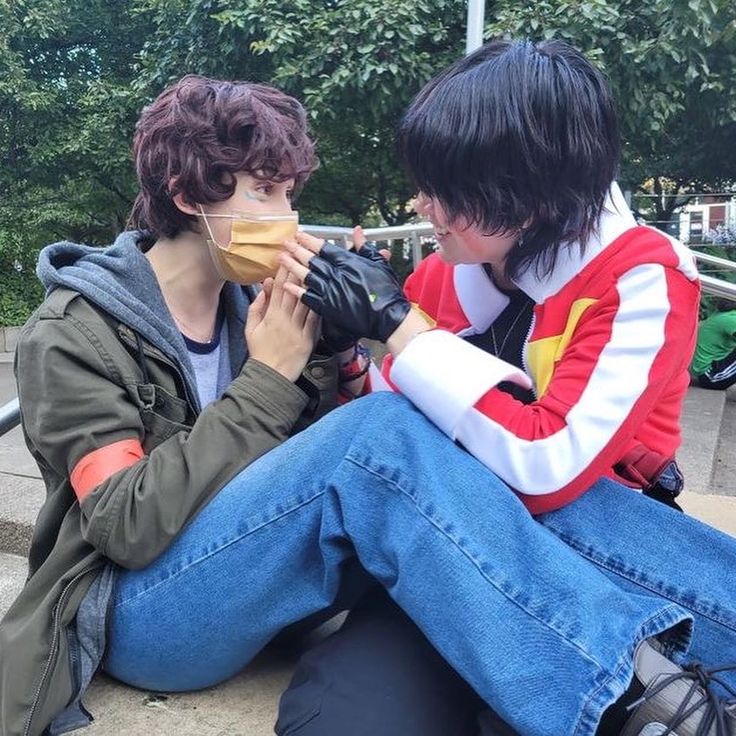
680, 701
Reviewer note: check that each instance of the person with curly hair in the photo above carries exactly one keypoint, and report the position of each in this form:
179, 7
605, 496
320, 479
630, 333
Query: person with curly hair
196, 507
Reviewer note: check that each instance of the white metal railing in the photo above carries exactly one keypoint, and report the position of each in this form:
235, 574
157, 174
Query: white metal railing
9, 416
715, 261
712, 285
718, 287
415, 232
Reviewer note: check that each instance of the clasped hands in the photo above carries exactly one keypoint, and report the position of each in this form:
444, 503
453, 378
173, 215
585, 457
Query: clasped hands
357, 293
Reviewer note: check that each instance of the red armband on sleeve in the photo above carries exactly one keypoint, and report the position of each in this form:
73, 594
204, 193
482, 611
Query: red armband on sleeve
97, 466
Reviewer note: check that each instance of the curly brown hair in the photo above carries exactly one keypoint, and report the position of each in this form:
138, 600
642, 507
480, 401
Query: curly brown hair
197, 134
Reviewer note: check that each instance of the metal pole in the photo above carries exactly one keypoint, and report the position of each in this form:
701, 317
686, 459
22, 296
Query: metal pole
476, 18
9, 416
416, 249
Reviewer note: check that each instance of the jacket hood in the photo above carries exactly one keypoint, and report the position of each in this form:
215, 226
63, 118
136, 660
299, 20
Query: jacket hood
119, 279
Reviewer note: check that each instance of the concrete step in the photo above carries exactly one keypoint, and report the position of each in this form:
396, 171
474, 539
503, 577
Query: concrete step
702, 416
246, 705
723, 481
718, 511
13, 571
20, 500
21, 489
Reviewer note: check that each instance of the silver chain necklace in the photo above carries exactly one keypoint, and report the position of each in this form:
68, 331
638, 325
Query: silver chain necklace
496, 351
193, 333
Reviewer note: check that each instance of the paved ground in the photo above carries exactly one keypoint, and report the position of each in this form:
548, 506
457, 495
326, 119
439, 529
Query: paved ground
724, 471
14, 457
708, 457
14, 570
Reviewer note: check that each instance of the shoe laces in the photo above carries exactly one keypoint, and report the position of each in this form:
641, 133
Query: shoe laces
701, 693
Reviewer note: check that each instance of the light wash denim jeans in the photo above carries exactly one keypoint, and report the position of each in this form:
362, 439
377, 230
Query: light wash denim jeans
543, 629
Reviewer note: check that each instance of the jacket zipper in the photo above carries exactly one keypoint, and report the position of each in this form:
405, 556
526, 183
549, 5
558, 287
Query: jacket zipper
54, 644
524, 362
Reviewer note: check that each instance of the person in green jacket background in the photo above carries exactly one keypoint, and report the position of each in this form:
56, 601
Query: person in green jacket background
714, 362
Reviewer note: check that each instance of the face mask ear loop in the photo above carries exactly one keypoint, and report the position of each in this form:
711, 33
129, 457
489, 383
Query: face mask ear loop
207, 225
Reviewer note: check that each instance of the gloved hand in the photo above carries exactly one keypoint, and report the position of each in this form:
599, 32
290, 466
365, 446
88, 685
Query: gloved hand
358, 293
335, 339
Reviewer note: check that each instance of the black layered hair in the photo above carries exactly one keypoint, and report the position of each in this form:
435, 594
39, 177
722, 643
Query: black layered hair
517, 136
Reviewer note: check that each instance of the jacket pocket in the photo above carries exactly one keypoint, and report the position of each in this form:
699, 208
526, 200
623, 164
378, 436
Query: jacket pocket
163, 414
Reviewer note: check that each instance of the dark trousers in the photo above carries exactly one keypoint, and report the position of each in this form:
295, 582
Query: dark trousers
379, 676
721, 374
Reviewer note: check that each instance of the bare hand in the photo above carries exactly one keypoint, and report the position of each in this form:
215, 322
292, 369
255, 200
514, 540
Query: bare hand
296, 257
281, 331
359, 242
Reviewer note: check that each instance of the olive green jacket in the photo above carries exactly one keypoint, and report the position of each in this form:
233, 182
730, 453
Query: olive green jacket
83, 384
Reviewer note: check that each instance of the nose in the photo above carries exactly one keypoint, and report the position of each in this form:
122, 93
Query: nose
283, 203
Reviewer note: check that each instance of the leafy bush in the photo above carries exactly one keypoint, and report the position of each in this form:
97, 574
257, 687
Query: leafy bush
20, 291
723, 240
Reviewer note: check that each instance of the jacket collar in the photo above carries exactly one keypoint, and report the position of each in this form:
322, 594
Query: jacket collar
482, 302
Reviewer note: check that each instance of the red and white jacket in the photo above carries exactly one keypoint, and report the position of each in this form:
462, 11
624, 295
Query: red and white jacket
607, 356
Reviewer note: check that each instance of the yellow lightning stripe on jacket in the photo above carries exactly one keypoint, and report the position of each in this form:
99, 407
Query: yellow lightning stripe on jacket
543, 354
429, 320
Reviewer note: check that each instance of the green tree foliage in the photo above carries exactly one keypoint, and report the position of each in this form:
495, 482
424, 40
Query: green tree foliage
74, 75
65, 121
355, 65
672, 65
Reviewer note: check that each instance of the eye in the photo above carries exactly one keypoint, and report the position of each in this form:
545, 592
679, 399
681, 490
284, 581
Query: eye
289, 194
264, 187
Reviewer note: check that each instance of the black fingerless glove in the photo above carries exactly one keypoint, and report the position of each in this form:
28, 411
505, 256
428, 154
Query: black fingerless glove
357, 293
335, 339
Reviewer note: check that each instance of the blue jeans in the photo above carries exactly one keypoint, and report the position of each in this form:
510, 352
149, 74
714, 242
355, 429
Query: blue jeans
543, 629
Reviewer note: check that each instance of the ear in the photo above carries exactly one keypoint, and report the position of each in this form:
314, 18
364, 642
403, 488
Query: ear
421, 203
180, 200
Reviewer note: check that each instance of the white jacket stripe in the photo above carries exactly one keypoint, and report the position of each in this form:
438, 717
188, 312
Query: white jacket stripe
445, 376
616, 382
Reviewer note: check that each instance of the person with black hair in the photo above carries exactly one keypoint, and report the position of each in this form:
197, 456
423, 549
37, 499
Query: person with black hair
197, 505
550, 338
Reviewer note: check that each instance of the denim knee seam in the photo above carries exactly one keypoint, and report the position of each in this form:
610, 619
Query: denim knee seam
172, 574
393, 482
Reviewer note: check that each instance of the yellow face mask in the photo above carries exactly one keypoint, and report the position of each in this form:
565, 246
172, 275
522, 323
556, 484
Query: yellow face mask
255, 243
